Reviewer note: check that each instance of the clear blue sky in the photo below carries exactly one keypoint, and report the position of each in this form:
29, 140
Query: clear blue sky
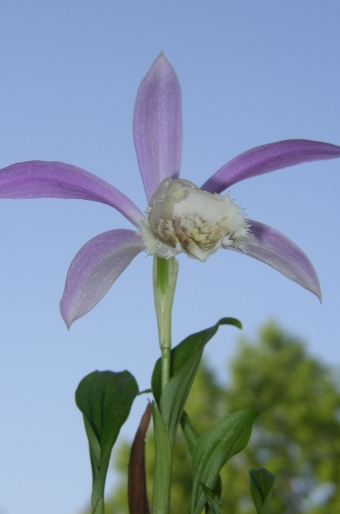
251, 73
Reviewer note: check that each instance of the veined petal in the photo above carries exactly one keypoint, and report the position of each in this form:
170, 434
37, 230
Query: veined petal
157, 125
270, 246
266, 158
43, 179
94, 269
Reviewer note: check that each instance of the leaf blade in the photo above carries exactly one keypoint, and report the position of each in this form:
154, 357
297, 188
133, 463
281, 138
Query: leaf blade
185, 360
214, 507
261, 488
105, 399
185, 350
217, 445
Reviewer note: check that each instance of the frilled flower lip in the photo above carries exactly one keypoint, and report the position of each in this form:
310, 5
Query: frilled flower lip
157, 132
182, 218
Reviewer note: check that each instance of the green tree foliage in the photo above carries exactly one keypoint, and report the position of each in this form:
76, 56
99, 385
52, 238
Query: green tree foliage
296, 437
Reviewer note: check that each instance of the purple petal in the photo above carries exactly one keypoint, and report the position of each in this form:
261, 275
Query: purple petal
157, 125
266, 158
42, 179
95, 268
270, 246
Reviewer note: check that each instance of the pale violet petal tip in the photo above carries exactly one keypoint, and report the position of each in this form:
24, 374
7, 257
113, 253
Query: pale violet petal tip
157, 125
273, 248
94, 269
267, 158
44, 179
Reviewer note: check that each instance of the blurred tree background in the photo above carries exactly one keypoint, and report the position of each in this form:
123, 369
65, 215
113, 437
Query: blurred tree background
296, 436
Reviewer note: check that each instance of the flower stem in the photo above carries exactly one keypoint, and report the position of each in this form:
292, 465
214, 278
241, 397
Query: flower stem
164, 284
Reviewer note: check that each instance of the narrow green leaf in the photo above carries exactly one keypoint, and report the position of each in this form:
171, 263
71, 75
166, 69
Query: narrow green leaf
192, 436
185, 350
190, 433
214, 507
163, 463
218, 444
176, 392
185, 359
261, 488
105, 399
94, 447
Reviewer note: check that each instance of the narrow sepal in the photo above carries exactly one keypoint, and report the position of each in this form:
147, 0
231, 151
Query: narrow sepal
157, 125
266, 158
273, 248
44, 179
94, 269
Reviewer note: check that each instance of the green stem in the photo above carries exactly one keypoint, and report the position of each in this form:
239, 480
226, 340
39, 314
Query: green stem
164, 284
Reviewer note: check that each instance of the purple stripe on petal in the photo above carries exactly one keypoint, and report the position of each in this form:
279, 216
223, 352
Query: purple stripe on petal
42, 179
266, 158
94, 269
157, 125
270, 246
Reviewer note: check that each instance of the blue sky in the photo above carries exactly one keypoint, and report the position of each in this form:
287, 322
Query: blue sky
251, 73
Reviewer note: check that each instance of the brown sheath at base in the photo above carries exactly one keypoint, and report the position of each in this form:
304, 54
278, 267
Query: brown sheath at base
137, 495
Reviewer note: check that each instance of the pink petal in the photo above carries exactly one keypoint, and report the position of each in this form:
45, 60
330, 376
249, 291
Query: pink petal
157, 125
270, 246
266, 158
42, 179
94, 269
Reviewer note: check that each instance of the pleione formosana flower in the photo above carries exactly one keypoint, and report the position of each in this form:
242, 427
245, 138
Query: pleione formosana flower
180, 217
183, 218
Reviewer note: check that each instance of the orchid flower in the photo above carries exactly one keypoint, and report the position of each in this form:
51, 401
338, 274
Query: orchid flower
180, 217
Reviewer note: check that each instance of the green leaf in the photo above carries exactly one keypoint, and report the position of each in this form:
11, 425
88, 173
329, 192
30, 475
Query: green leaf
176, 392
190, 433
185, 359
163, 463
192, 436
105, 399
261, 488
218, 444
186, 349
214, 507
